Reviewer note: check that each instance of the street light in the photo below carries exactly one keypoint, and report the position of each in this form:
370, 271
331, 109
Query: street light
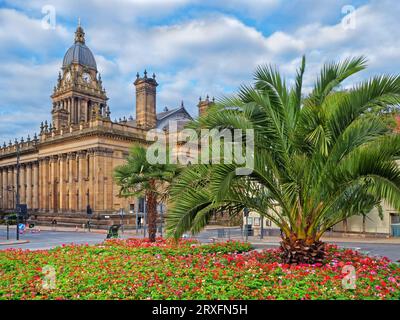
144, 217
121, 213
246, 215
161, 218
262, 227
17, 199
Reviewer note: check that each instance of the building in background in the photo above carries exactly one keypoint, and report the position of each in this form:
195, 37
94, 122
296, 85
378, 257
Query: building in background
70, 164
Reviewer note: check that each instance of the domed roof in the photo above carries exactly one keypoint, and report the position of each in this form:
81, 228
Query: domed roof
79, 52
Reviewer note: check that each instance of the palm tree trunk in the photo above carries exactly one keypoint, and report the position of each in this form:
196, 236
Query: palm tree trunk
152, 214
363, 225
296, 251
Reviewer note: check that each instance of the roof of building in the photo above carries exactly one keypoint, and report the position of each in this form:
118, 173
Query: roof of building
79, 53
163, 116
167, 113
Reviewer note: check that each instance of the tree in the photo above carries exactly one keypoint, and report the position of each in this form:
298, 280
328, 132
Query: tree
318, 158
140, 178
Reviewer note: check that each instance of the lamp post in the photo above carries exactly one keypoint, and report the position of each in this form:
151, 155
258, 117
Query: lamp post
144, 217
161, 219
122, 219
246, 215
17, 198
136, 209
262, 227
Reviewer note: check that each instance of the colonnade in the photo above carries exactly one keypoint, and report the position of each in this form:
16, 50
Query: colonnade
65, 182
78, 109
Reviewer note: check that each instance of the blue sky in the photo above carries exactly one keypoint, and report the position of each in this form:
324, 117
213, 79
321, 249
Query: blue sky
195, 47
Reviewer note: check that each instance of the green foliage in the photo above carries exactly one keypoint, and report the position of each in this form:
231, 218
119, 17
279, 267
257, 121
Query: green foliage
319, 158
134, 178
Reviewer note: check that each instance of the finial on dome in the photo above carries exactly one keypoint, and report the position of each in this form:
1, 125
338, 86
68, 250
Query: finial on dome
79, 33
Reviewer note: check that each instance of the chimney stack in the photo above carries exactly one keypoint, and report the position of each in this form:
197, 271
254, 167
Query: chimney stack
204, 105
146, 101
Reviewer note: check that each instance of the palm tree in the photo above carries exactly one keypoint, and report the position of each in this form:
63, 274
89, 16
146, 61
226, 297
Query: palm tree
140, 178
318, 159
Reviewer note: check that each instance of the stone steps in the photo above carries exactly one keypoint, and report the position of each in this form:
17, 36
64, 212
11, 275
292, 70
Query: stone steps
72, 220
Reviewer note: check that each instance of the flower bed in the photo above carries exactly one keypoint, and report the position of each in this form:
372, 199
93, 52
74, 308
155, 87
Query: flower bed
137, 269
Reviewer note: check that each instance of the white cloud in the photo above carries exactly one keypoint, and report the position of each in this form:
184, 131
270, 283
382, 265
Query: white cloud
19, 32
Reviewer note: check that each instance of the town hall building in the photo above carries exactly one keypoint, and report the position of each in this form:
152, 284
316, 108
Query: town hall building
70, 164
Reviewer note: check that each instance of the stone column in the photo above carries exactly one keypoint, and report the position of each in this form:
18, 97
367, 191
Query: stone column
36, 186
72, 111
76, 104
14, 186
79, 110
82, 181
91, 176
86, 108
4, 184
99, 180
1, 189
63, 183
108, 181
72, 181
5, 187
22, 184
40, 187
11, 193
69, 110
50, 184
29, 185
53, 184
45, 184
11, 187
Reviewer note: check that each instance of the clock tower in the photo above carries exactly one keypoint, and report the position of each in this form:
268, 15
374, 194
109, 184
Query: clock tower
79, 94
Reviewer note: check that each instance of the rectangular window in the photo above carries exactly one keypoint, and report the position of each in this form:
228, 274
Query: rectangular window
141, 205
395, 218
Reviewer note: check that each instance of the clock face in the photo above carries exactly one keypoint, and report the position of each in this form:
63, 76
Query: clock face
68, 76
86, 77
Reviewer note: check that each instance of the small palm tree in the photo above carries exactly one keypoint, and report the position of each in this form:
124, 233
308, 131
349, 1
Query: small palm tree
140, 178
318, 160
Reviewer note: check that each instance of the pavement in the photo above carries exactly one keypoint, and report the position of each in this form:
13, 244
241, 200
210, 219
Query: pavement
50, 237
13, 242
